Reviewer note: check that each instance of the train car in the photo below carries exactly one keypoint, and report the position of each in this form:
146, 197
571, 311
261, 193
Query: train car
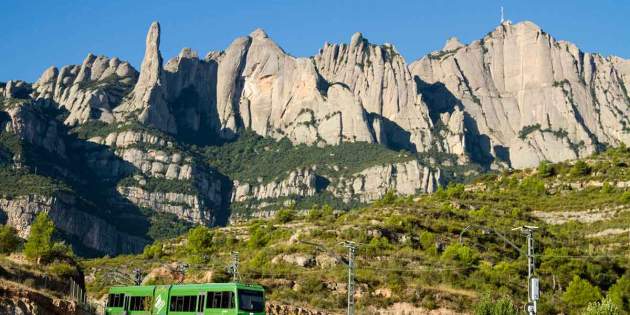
184, 299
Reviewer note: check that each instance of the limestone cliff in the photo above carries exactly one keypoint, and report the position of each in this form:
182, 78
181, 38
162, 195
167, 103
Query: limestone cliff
379, 78
89, 91
526, 96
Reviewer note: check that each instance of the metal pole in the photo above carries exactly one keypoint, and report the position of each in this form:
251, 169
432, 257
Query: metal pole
530, 270
234, 267
352, 247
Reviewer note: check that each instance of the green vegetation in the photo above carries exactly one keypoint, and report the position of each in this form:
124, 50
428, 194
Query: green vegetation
9, 241
619, 293
39, 242
580, 293
605, 307
17, 182
253, 157
200, 244
490, 306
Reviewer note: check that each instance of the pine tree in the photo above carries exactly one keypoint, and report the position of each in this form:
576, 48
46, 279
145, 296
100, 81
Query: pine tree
39, 242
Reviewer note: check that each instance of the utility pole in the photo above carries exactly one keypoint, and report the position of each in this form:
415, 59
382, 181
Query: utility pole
533, 283
234, 267
533, 288
137, 276
352, 247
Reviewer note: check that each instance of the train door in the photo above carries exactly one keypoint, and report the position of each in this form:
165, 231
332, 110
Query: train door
161, 300
201, 303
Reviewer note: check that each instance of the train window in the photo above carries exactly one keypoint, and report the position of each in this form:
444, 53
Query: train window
220, 300
139, 303
115, 300
226, 300
185, 303
251, 301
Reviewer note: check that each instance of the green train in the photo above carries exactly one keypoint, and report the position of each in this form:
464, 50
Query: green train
180, 299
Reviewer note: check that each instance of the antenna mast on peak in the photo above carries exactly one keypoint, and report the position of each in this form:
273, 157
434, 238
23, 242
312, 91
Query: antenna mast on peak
502, 19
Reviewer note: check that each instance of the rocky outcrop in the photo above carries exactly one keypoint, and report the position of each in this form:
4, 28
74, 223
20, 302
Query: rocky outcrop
300, 182
15, 89
262, 88
282, 309
379, 78
148, 100
91, 231
89, 91
30, 124
188, 207
405, 178
408, 178
527, 97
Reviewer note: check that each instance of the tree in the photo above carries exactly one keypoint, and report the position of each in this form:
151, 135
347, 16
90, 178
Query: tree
580, 293
619, 293
9, 241
200, 243
39, 242
605, 307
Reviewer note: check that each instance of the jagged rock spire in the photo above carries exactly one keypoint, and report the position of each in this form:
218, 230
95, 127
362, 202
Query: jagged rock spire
149, 94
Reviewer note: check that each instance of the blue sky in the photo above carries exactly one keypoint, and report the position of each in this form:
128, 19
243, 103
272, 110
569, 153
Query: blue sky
37, 34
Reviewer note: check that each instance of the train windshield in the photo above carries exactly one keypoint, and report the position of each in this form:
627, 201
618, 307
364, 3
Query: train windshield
251, 301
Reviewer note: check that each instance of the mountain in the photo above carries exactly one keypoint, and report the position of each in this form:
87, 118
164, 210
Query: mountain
121, 157
526, 97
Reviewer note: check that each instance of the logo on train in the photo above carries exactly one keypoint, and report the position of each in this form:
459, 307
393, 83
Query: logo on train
159, 304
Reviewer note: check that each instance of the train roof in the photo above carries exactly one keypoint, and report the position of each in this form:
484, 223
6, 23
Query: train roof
148, 289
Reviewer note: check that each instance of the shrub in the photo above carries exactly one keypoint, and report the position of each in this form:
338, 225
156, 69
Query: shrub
285, 215
388, 199
39, 242
580, 168
605, 307
153, 251
619, 293
460, 253
533, 186
625, 197
9, 241
488, 306
546, 169
59, 250
62, 269
580, 293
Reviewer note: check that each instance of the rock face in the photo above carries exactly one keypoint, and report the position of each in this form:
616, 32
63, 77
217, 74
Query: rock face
262, 88
405, 178
29, 124
526, 97
147, 101
373, 183
379, 78
89, 91
93, 232
298, 183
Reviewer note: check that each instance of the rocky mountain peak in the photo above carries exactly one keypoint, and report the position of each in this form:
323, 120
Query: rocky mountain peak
258, 33
149, 94
452, 43
356, 39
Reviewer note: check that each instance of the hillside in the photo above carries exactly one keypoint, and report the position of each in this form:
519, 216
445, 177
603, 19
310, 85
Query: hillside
410, 254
